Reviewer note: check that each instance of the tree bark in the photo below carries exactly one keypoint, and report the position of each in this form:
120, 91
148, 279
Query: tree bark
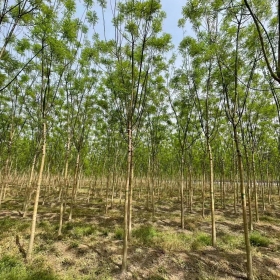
244, 210
36, 201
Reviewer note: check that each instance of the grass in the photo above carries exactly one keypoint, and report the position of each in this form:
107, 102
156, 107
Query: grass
12, 268
8, 224
173, 241
78, 230
156, 277
156, 251
259, 240
201, 240
119, 233
145, 234
230, 241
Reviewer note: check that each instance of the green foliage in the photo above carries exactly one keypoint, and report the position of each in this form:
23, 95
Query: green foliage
12, 268
232, 241
145, 234
8, 225
259, 240
173, 241
201, 239
119, 233
78, 230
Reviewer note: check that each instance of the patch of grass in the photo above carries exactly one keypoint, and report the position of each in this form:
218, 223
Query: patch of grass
73, 244
268, 219
231, 241
105, 232
12, 268
67, 262
173, 241
42, 274
145, 234
81, 231
119, 233
258, 240
201, 239
156, 277
23, 225
45, 225
7, 224
78, 230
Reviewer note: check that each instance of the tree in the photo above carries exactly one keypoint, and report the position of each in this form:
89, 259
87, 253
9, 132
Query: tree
129, 61
202, 57
51, 66
186, 125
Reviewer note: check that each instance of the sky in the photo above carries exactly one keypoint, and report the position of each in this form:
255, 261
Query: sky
173, 9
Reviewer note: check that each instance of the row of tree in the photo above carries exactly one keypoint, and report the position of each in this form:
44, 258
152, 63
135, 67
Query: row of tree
77, 103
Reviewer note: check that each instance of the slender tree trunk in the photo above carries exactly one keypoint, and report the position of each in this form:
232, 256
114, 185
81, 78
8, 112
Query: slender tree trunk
268, 184
6, 180
148, 184
190, 190
212, 196
235, 194
244, 210
255, 187
126, 204
63, 189
107, 191
203, 194
130, 198
262, 193
36, 202
182, 194
29, 188
153, 188
75, 186
249, 203
114, 179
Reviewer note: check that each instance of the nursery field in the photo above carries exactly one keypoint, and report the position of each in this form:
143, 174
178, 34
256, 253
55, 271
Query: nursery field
91, 244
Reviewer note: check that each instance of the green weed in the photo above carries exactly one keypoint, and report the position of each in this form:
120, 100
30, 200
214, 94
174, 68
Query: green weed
258, 240
78, 230
81, 231
145, 234
231, 241
119, 233
173, 241
201, 239
12, 268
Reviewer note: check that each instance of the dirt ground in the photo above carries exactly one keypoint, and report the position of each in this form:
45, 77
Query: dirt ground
91, 245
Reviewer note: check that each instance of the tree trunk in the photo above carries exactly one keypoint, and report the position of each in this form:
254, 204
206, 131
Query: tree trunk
182, 194
190, 190
36, 201
63, 190
255, 187
29, 188
212, 196
127, 215
244, 210
75, 186
203, 194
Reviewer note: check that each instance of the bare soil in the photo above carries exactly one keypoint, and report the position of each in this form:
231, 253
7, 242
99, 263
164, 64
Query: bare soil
91, 245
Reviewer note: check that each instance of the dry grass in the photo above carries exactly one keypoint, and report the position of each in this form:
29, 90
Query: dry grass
91, 245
